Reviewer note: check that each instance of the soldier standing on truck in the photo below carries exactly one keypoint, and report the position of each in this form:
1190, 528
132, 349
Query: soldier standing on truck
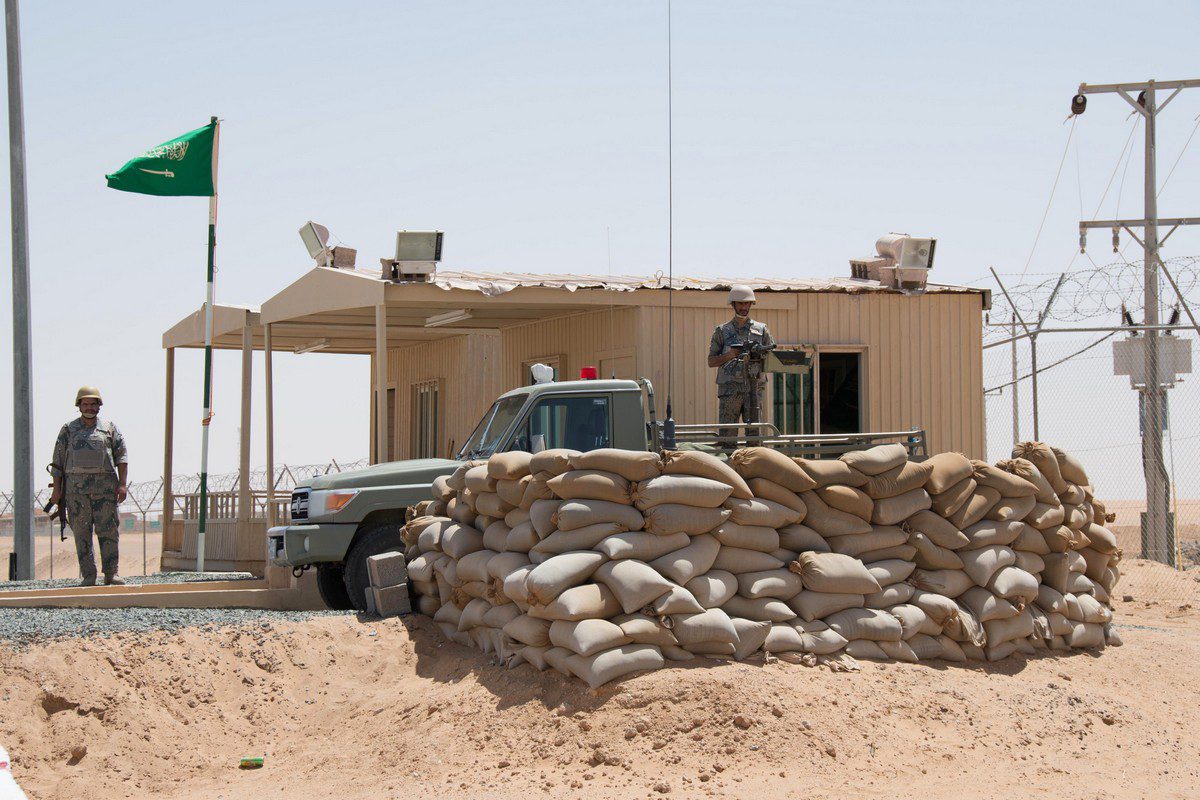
736, 394
89, 466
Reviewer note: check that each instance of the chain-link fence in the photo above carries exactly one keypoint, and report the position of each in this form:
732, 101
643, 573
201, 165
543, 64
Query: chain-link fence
141, 516
1088, 410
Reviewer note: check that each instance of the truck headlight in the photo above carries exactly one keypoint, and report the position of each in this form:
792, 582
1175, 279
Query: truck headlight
321, 503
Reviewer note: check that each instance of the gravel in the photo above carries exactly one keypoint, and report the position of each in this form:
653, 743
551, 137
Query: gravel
131, 580
20, 627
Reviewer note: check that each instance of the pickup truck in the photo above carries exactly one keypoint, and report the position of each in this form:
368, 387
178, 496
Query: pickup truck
340, 520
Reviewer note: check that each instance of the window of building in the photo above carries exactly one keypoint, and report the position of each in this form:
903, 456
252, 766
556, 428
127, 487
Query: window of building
571, 421
425, 418
792, 403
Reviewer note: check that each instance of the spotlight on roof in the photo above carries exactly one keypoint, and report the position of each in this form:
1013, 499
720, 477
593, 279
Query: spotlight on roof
417, 254
316, 239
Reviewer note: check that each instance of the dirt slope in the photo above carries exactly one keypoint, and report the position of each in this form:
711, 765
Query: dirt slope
349, 709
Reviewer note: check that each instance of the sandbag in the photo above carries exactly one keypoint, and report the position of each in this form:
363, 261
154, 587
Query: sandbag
477, 480
790, 638
877, 538
512, 492
759, 512
975, 508
947, 470
987, 606
948, 582
632, 465
827, 472
460, 509
642, 629
781, 584
834, 573
751, 636
691, 462
938, 608
641, 545
541, 516
574, 514
1042, 457
831, 522
1013, 582
886, 573
460, 540
876, 460
712, 625
902, 552
865, 623
750, 537
866, 650
1045, 517
1006, 483
988, 533
1031, 540
473, 566
739, 560
1097, 562
890, 595
905, 478
499, 616
952, 500
764, 489
591, 485
685, 490
800, 538
442, 490
931, 556
847, 499
1070, 467
810, 605
552, 577
609, 665
521, 539
713, 588
585, 538
686, 563
1012, 508
587, 636
1024, 468
552, 462
937, 529
981, 564
495, 536
672, 518
1085, 635
635, 583
912, 619
763, 462
1030, 562
925, 647
766, 609
893, 510
591, 600
1102, 539
512, 465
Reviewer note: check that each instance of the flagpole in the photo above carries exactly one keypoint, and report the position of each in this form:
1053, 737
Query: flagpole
208, 341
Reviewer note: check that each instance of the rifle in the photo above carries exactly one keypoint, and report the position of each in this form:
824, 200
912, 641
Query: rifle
60, 509
752, 352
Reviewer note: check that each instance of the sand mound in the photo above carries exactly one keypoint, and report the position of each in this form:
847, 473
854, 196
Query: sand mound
352, 709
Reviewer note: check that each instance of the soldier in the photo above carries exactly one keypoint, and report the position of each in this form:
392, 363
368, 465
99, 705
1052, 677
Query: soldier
90, 466
733, 390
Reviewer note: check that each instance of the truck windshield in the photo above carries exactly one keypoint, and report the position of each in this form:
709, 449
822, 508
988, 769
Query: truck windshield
486, 436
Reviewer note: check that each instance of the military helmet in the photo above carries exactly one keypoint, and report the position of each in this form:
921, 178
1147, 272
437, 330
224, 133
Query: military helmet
741, 294
86, 392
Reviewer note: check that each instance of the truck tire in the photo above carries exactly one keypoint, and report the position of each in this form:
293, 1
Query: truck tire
372, 540
331, 583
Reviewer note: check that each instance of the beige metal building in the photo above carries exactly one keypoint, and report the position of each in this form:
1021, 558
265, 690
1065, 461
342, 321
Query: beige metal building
442, 350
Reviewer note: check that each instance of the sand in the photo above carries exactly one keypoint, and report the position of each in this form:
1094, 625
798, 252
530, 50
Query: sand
348, 708
65, 564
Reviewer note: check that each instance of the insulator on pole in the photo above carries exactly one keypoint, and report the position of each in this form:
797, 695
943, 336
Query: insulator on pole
1083, 240
1116, 240
1078, 104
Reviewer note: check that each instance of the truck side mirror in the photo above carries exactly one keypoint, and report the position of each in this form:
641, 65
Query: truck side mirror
539, 443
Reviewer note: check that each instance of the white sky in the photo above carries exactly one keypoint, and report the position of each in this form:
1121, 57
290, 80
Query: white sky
531, 132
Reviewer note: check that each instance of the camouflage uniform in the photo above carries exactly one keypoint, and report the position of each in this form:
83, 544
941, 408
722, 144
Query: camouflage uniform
733, 390
86, 457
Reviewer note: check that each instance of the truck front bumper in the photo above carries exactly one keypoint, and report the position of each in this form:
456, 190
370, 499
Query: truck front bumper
302, 545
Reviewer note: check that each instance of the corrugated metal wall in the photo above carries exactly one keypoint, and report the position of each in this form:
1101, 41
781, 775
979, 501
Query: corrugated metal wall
923, 358
468, 369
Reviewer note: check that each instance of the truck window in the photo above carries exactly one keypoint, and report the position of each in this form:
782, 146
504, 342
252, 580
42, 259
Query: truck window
495, 422
571, 421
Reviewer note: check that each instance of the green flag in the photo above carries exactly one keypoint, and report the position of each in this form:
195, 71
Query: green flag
180, 167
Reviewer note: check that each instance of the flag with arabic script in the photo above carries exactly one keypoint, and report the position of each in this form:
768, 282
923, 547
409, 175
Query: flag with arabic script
180, 167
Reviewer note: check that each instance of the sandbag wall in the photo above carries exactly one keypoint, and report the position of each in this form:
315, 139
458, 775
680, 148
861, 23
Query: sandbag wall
609, 562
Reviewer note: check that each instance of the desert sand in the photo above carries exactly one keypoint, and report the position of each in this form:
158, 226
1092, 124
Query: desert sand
350, 708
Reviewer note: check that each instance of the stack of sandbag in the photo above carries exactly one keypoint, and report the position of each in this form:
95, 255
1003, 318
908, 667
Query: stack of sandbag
609, 562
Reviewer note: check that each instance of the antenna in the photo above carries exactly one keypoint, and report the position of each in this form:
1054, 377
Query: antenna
669, 423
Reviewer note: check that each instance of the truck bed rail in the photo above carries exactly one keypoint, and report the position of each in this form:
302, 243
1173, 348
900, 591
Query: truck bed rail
728, 437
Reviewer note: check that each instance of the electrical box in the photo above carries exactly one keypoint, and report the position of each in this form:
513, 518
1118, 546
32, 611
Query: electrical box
1174, 358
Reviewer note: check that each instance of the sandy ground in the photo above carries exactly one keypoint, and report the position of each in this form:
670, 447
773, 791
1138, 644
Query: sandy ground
348, 708
65, 564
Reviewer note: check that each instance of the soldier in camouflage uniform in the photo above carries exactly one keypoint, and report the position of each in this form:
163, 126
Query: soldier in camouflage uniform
733, 390
90, 464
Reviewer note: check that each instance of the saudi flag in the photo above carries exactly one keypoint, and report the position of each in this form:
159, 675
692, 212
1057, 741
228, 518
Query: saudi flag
181, 167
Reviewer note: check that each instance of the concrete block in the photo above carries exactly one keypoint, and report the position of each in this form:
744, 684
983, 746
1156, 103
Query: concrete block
387, 569
370, 593
392, 600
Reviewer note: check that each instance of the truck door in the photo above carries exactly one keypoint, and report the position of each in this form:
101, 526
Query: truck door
576, 422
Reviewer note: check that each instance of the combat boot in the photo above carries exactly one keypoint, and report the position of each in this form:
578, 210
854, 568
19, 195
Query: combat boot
114, 580
89, 581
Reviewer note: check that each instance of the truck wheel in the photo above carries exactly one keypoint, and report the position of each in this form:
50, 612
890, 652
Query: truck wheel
376, 539
331, 583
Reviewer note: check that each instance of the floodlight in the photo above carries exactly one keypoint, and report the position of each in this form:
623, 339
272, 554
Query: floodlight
448, 318
418, 246
316, 239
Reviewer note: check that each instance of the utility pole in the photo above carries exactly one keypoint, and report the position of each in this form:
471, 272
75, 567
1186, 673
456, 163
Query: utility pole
22, 337
1158, 529
1016, 400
